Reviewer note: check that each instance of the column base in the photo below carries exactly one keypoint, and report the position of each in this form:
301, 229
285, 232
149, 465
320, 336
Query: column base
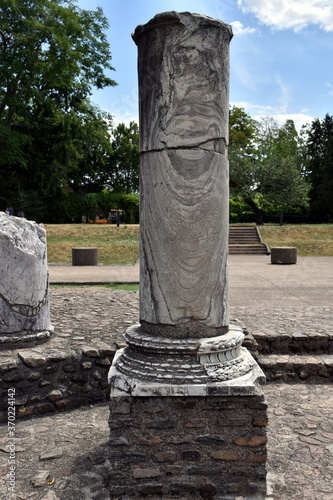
24, 338
189, 441
248, 384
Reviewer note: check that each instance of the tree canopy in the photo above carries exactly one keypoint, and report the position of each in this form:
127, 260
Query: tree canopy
319, 167
50, 48
52, 139
124, 172
60, 155
266, 164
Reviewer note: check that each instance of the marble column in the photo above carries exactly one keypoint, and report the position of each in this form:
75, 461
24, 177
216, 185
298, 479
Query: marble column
184, 106
185, 359
184, 334
24, 297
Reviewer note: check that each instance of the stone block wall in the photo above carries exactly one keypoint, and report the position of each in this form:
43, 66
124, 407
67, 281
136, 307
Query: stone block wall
54, 380
188, 447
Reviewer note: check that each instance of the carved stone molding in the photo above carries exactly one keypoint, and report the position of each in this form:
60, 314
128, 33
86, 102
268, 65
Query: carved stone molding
179, 361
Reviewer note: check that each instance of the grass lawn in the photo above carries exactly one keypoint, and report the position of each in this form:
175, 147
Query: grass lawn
116, 245
120, 245
310, 239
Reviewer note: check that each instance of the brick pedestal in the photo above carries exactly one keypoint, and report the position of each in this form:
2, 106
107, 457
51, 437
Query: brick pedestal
211, 447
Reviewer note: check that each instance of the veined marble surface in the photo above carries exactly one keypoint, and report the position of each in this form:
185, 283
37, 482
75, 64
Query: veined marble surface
184, 107
24, 304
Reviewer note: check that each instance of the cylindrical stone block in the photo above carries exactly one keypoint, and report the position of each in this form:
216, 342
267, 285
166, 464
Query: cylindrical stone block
85, 256
183, 64
24, 298
283, 255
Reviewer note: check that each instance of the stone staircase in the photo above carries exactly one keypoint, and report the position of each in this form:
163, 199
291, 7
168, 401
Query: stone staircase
246, 240
295, 357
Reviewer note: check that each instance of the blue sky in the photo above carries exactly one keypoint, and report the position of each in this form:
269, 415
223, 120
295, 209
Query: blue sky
281, 54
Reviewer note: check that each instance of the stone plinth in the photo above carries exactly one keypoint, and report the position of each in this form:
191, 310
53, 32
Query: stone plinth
187, 419
283, 255
85, 256
24, 303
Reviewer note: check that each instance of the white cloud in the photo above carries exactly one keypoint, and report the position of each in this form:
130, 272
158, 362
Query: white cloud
126, 118
284, 98
258, 111
238, 29
299, 119
291, 14
258, 108
245, 76
330, 92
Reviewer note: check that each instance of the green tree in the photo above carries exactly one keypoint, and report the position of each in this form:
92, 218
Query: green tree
280, 177
124, 172
267, 171
242, 155
51, 56
242, 130
71, 155
319, 165
93, 137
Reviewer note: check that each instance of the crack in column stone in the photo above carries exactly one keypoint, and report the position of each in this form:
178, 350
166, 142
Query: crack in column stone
221, 141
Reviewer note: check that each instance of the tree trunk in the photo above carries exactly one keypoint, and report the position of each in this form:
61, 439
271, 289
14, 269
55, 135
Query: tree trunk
258, 212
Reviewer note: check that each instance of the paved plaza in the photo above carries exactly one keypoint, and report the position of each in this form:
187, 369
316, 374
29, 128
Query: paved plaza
65, 455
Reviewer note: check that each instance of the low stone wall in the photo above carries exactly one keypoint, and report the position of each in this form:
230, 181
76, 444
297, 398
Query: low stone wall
55, 380
49, 380
293, 343
188, 447
297, 368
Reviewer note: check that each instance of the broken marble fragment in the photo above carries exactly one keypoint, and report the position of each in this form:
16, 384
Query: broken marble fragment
24, 303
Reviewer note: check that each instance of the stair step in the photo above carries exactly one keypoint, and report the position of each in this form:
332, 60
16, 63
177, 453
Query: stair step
242, 230
297, 367
242, 236
259, 249
293, 343
245, 240
247, 252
